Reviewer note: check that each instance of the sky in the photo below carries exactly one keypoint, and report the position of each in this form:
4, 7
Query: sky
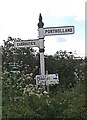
19, 19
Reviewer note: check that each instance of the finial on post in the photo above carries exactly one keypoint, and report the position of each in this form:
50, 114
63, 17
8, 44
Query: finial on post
40, 24
40, 17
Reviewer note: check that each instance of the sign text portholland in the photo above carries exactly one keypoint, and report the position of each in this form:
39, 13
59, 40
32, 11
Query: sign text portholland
63, 30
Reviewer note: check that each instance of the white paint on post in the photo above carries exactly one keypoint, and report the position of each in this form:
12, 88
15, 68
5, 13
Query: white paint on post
41, 33
42, 64
41, 45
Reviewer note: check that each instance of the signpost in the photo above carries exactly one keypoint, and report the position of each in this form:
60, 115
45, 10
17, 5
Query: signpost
64, 30
44, 79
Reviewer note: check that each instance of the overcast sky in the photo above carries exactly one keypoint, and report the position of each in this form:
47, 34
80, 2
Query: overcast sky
19, 19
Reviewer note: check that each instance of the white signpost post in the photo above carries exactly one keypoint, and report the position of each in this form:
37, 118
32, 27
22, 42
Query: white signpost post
44, 79
63, 30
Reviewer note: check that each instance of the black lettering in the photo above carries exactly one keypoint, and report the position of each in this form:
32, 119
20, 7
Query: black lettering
53, 30
70, 29
65, 30
32, 43
21, 44
49, 31
60, 31
56, 30
46, 31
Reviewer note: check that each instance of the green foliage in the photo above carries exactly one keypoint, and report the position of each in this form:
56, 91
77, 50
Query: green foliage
23, 99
